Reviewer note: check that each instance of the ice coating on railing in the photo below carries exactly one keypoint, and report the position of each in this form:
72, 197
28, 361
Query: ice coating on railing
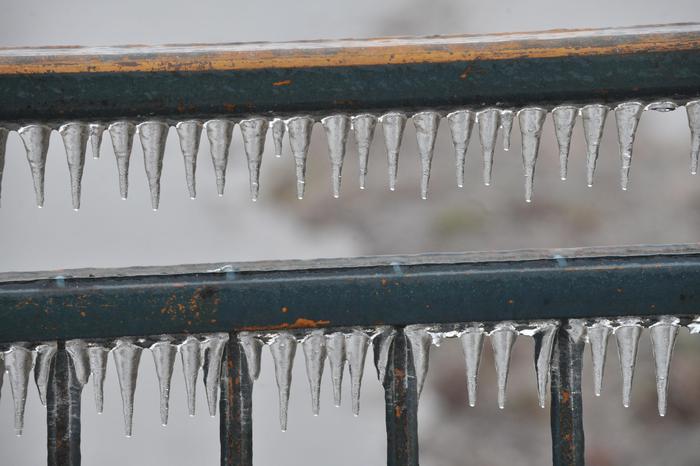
153, 136
693, 111
191, 357
254, 131
461, 123
337, 128
219, 133
213, 348
503, 337
393, 124
564, 119
164, 353
189, 133
593, 117
18, 364
663, 335
531, 121
472, 342
598, 333
45, 353
75, 138
97, 355
544, 335
314, 346
127, 356
627, 336
299, 139
426, 124
420, 341
381, 343
627, 116
356, 344
283, 348
122, 135
36, 144
252, 348
363, 126
78, 352
489, 121
96, 130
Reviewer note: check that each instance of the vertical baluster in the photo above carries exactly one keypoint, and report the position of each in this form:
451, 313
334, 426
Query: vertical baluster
63, 411
566, 411
401, 397
236, 407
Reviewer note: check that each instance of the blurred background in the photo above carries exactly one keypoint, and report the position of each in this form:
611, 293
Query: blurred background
661, 206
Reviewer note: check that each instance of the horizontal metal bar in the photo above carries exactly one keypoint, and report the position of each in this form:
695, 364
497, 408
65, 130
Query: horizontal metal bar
394, 293
353, 75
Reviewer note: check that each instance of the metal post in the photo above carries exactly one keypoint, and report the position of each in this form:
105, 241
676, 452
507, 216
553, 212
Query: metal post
63, 412
236, 408
401, 399
567, 409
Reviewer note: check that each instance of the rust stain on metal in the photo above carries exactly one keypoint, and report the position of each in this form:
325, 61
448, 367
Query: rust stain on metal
229, 107
286, 82
299, 323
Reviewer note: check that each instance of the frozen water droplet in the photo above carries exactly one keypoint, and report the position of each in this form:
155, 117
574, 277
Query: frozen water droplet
122, 135
3, 144
96, 130
300, 128
219, 133
78, 352
164, 353
252, 347
420, 341
663, 338
126, 360
36, 143
97, 356
693, 111
502, 339
598, 333
45, 353
356, 344
544, 343
564, 119
363, 126
461, 123
18, 363
335, 347
283, 347
593, 117
213, 347
507, 127
75, 138
381, 342
393, 124
337, 128
489, 120
627, 117
314, 346
153, 135
472, 340
531, 123
254, 131
662, 106
189, 133
278, 130
426, 124
191, 356
627, 335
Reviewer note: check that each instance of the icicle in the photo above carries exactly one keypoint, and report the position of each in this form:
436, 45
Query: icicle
2, 369
502, 339
153, 135
598, 334
489, 120
219, 133
544, 343
283, 347
627, 117
213, 347
96, 130
393, 124
314, 346
299, 138
363, 126
122, 135
254, 131
564, 119
278, 130
356, 344
531, 122
3, 144
461, 123
164, 354
75, 137
693, 110
18, 363
472, 340
42, 367
36, 143
627, 336
420, 341
507, 127
126, 359
77, 350
663, 337
337, 128
335, 347
252, 347
426, 124
662, 106
190, 133
381, 342
97, 355
593, 117
191, 355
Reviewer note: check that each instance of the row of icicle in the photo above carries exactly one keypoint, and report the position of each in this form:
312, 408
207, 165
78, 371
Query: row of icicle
153, 135
341, 347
